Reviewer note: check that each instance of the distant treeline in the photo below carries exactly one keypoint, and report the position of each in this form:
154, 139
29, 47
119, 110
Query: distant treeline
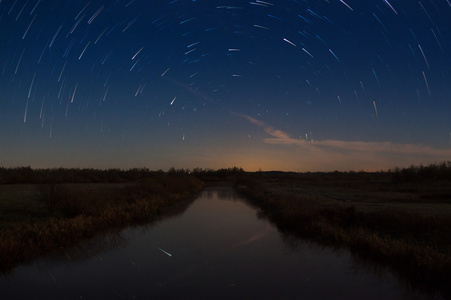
74, 175
416, 174
412, 174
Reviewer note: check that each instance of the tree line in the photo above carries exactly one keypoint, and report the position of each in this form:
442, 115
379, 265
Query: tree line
27, 175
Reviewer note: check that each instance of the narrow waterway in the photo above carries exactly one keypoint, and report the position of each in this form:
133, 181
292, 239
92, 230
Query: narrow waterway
212, 248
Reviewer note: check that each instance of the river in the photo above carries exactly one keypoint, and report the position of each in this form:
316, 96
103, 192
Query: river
214, 247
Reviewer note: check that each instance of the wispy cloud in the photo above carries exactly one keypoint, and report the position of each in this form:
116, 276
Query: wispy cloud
250, 119
279, 137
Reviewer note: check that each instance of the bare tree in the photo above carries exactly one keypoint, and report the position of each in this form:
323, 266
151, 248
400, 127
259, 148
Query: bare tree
47, 194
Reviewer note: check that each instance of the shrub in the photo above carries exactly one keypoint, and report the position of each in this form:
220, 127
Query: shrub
48, 195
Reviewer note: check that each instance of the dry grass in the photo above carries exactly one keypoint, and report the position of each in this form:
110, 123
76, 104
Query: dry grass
83, 211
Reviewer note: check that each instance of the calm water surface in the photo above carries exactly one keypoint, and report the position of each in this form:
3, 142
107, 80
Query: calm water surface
212, 248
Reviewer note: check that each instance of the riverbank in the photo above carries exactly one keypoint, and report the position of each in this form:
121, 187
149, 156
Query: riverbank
404, 226
46, 218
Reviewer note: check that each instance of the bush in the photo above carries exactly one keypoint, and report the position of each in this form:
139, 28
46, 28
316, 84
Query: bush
66, 199
73, 202
48, 195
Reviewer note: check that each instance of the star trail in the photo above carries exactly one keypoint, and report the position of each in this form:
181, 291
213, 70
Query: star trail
273, 85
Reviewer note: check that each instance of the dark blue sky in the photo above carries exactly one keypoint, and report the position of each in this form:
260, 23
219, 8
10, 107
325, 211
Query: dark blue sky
285, 85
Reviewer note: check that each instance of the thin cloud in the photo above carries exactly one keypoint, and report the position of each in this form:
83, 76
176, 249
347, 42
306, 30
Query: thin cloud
278, 134
279, 137
250, 119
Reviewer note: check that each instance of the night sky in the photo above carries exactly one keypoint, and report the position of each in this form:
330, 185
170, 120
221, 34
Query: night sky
274, 85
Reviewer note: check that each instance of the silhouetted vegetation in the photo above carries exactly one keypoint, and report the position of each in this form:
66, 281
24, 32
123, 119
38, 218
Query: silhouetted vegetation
432, 173
48, 195
24, 175
27, 175
228, 175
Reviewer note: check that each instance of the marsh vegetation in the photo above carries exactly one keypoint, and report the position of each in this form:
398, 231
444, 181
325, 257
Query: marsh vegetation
41, 218
400, 219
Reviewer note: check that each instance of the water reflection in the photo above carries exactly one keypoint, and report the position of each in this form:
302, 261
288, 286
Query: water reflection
218, 250
221, 193
88, 249
364, 266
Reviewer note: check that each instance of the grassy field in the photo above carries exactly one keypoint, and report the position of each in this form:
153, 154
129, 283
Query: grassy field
366, 192
21, 203
30, 227
18, 203
402, 224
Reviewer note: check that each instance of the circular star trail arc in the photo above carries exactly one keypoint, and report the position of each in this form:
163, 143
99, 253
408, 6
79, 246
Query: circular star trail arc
178, 72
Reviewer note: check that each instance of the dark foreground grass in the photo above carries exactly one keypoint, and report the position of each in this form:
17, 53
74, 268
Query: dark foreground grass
80, 212
416, 246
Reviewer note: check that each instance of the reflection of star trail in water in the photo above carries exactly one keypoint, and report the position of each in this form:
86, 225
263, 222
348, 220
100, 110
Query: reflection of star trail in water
167, 253
164, 83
